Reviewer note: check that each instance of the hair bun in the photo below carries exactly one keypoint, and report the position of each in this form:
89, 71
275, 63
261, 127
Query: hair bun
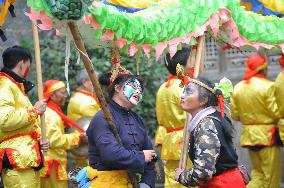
218, 92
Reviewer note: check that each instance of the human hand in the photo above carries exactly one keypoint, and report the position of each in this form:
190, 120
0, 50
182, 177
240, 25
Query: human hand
44, 145
40, 106
177, 173
149, 154
83, 137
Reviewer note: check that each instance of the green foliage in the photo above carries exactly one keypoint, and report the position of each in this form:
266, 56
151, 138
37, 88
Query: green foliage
53, 58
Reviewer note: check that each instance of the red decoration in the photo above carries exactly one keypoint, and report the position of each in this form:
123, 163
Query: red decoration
221, 105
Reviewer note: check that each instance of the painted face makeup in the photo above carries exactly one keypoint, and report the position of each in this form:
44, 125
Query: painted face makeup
26, 72
132, 90
190, 90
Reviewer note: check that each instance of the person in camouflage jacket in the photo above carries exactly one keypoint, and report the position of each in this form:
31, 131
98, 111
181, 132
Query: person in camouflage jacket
211, 150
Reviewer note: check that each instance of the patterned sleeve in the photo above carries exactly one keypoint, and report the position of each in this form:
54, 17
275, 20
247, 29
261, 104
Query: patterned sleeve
207, 150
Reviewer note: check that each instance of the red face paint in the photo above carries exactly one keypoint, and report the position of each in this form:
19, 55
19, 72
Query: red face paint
26, 72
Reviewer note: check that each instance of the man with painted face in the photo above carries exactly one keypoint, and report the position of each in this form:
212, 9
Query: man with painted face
109, 160
171, 117
19, 129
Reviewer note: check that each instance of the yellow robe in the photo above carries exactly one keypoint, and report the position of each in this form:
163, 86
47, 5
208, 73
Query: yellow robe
4, 10
171, 119
255, 105
279, 83
82, 104
19, 134
54, 173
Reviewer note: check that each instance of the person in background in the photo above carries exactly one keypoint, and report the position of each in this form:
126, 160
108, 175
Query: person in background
83, 103
279, 83
254, 104
171, 117
20, 133
54, 172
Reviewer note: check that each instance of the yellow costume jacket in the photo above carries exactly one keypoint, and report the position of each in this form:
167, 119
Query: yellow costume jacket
171, 119
59, 143
4, 10
19, 131
279, 83
82, 104
254, 104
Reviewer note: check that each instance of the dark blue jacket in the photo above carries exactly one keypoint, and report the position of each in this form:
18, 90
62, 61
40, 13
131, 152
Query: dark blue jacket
105, 153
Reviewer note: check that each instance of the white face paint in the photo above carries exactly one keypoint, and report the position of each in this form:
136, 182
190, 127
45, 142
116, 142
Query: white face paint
190, 90
132, 90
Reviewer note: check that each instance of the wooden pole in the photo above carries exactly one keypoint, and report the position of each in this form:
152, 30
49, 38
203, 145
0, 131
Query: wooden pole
198, 63
39, 77
196, 56
94, 79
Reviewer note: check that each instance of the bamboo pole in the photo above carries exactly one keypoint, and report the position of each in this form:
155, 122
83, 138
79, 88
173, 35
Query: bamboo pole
196, 58
94, 79
39, 78
200, 46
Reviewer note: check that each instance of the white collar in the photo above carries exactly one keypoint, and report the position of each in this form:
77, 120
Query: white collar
199, 116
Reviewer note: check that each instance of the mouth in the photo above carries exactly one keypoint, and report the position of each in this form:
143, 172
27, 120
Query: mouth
136, 97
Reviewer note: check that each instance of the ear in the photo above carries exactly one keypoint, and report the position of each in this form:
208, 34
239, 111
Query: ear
84, 83
117, 88
20, 64
202, 103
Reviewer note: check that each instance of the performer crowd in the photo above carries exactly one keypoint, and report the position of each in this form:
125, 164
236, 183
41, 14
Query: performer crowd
26, 161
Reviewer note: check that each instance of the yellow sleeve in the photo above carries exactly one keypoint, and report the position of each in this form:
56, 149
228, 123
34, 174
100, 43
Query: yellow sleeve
89, 110
11, 118
271, 102
57, 138
279, 83
234, 109
160, 134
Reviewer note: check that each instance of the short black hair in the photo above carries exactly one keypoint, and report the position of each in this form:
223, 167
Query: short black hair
13, 55
120, 80
180, 57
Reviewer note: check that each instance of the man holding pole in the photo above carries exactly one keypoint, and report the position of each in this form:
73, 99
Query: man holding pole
19, 130
254, 104
54, 173
171, 117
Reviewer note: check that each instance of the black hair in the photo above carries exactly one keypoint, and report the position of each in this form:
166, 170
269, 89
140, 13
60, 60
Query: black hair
104, 79
180, 57
120, 80
212, 100
13, 55
205, 94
